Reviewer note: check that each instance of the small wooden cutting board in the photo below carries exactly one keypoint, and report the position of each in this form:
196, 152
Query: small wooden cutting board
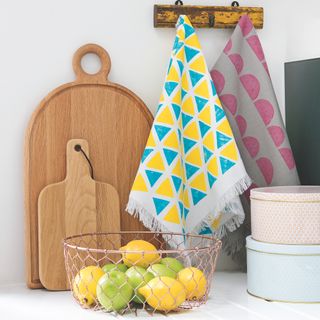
74, 206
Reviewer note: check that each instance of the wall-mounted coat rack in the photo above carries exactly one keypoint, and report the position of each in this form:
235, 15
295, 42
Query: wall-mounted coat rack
166, 16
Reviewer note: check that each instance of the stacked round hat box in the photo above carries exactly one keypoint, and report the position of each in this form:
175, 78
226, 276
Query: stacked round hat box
283, 252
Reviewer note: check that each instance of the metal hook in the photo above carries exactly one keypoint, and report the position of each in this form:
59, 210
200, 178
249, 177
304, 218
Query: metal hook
211, 21
235, 4
178, 2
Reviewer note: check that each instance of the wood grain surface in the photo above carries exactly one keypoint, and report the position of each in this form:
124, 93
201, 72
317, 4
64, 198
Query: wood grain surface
166, 16
114, 121
74, 206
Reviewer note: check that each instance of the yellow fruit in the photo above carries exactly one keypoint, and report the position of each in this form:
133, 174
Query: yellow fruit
163, 293
194, 281
85, 284
139, 259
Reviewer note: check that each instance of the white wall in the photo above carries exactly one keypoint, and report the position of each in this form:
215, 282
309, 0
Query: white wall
39, 37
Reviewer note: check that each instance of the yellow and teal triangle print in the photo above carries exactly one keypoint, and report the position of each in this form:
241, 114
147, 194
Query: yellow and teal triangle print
191, 168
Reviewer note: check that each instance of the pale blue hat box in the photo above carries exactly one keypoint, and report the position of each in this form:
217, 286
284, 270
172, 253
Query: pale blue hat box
288, 273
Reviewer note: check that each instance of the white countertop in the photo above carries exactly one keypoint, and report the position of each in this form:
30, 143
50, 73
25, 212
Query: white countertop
228, 301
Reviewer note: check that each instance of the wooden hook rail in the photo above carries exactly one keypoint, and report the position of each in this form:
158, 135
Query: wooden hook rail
166, 16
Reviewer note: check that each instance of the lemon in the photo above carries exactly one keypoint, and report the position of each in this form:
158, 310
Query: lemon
163, 293
194, 281
85, 284
139, 259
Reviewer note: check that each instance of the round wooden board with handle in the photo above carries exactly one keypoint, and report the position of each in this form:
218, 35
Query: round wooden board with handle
114, 121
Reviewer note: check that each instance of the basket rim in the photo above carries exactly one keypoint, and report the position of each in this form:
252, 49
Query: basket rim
217, 243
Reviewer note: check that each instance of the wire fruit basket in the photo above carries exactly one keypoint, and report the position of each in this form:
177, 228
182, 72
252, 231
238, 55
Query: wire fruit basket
145, 273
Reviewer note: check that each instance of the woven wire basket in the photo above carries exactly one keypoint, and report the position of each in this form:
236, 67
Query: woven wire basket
87, 255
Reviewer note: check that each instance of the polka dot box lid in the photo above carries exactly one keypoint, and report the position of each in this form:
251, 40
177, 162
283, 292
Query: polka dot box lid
287, 193
286, 215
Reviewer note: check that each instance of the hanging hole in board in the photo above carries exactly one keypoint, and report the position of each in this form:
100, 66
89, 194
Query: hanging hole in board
77, 147
91, 63
178, 3
235, 4
86, 60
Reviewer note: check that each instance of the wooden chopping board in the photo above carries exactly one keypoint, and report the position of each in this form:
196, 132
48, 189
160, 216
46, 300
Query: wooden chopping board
114, 121
76, 205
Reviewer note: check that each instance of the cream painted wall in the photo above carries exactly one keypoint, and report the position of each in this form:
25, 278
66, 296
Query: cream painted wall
39, 37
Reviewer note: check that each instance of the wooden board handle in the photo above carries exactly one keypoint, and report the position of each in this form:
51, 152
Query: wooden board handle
77, 164
102, 75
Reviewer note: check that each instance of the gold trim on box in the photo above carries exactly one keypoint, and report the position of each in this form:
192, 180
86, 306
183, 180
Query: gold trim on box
284, 301
286, 254
286, 201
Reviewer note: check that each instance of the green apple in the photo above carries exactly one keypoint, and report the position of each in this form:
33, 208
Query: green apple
138, 277
113, 291
172, 263
114, 267
161, 270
